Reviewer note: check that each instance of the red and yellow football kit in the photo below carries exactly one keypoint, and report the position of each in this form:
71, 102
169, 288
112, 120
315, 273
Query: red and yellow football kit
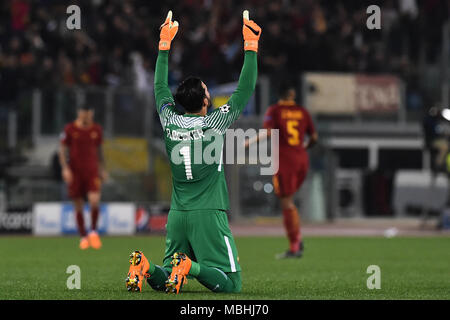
293, 122
83, 144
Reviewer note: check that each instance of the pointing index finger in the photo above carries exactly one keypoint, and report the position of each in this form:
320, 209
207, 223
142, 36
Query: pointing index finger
169, 16
245, 15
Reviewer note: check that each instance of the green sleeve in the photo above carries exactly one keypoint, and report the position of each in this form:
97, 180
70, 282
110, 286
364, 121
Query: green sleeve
163, 96
247, 82
223, 117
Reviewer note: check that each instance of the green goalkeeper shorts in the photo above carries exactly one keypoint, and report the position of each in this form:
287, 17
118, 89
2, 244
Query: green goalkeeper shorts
204, 236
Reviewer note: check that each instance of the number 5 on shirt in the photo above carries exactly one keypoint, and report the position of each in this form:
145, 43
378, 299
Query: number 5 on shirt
293, 132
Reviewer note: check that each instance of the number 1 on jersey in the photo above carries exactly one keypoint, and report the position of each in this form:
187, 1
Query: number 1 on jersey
186, 153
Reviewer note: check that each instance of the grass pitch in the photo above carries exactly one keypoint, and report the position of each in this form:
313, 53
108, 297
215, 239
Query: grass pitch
332, 268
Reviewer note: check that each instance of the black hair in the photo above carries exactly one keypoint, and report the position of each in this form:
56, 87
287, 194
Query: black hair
86, 107
284, 88
190, 94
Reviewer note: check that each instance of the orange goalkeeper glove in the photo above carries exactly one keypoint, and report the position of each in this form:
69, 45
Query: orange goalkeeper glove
168, 31
251, 32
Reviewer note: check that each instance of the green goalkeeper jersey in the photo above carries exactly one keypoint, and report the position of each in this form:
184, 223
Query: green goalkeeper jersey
194, 143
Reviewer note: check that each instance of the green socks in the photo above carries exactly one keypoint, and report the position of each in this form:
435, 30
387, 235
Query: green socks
218, 281
195, 269
158, 277
212, 278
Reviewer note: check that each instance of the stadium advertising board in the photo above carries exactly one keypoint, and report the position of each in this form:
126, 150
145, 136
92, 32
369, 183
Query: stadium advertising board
151, 218
336, 93
377, 93
59, 218
324, 88
15, 222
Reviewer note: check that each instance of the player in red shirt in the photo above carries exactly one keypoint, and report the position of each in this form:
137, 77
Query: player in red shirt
293, 123
83, 170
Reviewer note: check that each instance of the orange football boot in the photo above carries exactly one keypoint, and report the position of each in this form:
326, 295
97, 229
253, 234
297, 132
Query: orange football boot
94, 240
84, 243
181, 266
139, 266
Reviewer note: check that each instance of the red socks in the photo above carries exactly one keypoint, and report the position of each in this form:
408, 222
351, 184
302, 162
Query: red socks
291, 222
94, 218
80, 223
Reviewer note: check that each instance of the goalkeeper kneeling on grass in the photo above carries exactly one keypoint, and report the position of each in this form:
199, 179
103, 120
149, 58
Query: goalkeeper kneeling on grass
199, 242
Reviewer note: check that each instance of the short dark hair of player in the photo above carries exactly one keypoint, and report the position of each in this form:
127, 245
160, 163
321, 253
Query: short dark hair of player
284, 88
191, 94
86, 107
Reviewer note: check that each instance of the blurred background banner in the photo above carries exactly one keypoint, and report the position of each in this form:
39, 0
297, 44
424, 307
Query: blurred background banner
377, 93
16, 222
330, 93
59, 218
341, 93
126, 155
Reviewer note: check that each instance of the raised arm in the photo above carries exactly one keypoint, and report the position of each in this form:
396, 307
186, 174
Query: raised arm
222, 118
162, 91
163, 95
247, 80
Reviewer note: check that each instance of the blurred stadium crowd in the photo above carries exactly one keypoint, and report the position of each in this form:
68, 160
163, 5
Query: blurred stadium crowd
119, 38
